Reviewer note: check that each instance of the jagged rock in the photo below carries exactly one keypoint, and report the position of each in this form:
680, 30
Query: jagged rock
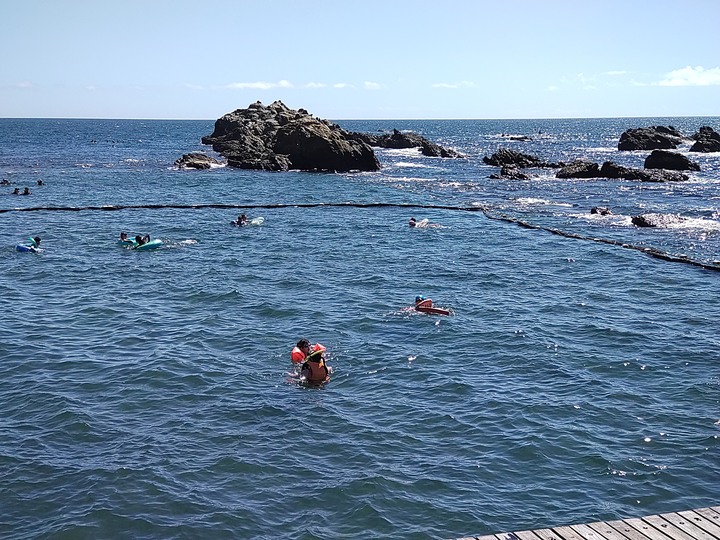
510, 157
662, 159
650, 138
656, 220
510, 172
706, 140
579, 169
601, 210
197, 160
612, 170
277, 138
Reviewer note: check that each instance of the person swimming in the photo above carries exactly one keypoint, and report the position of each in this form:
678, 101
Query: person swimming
315, 370
303, 349
241, 221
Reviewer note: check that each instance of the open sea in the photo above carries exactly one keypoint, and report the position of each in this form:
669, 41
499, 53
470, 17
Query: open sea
151, 394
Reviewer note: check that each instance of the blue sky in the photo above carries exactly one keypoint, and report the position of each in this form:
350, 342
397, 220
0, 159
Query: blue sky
343, 59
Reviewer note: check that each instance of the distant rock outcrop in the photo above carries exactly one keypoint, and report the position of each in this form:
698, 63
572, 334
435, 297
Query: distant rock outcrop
662, 159
706, 140
650, 138
402, 139
277, 138
197, 160
510, 157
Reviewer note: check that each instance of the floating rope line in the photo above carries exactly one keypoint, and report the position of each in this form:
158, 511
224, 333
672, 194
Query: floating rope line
488, 212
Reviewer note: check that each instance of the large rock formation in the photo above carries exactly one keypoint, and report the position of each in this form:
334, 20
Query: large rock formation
277, 138
662, 159
706, 140
579, 168
650, 138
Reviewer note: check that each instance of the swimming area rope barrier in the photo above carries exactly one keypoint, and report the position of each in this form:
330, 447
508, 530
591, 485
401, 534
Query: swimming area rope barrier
486, 211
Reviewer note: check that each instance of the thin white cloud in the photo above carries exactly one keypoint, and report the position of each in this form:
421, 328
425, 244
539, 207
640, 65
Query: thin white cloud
617, 73
553, 88
692, 76
369, 85
462, 84
24, 84
259, 85
342, 85
315, 85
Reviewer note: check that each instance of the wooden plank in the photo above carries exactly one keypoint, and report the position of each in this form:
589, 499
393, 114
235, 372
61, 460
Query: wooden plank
712, 513
713, 527
588, 532
698, 524
673, 531
701, 518
689, 526
626, 530
547, 534
611, 533
645, 528
567, 533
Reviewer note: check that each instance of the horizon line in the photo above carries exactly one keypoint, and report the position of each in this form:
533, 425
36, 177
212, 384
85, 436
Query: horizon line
363, 119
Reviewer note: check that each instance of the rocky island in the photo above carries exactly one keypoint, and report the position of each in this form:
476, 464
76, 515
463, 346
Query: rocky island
277, 138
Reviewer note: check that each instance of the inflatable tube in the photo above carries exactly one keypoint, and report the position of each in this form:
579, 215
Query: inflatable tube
257, 221
126, 243
26, 249
152, 244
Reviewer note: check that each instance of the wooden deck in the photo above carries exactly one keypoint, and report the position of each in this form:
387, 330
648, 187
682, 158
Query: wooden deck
700, 524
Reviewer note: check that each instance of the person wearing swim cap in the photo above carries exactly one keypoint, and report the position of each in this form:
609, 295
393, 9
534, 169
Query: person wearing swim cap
422, 302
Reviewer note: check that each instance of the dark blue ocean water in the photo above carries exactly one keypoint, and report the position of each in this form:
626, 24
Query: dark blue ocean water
149, 394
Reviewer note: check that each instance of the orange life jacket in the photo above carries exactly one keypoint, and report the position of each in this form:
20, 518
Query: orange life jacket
297, 356
315, 371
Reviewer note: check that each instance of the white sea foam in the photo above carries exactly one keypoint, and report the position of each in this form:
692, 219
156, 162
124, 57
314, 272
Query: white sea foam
535, 201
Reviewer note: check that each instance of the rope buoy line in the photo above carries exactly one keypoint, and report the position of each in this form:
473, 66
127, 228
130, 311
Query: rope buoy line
652, 252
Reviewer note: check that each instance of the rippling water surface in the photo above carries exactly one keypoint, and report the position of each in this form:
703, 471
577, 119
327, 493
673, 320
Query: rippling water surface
150, 394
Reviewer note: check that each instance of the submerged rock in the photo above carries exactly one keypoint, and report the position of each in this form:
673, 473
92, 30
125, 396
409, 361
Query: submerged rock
510, 172
277, 138
197, 160
656, 220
